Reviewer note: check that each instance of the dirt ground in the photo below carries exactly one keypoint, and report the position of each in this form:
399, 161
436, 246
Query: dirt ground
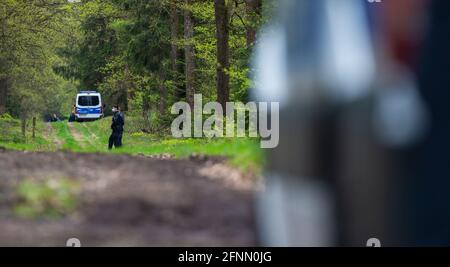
132, 201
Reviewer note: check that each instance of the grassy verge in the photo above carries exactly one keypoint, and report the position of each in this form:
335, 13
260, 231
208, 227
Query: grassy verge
243, 153
11, 136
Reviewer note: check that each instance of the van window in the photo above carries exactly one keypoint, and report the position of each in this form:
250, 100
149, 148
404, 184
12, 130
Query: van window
95, 101
87, 100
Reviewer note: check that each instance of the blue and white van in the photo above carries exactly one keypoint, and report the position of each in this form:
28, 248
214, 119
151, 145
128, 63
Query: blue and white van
89, 106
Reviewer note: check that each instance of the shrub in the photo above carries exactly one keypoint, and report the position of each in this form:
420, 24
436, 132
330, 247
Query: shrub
10, 129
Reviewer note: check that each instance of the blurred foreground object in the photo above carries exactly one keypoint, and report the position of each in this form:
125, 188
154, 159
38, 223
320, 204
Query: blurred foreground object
343, 72
430, 175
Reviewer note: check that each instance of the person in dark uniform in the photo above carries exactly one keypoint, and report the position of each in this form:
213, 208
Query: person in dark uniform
122, 118
117, 129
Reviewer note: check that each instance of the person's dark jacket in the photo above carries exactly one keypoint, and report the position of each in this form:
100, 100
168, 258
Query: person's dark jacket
117, 122
123, 117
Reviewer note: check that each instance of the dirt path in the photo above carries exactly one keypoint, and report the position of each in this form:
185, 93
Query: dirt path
51, 137
93, 139
131, 201
79, 138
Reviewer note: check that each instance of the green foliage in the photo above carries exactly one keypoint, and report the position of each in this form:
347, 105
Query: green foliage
124, 50
10, 129
32, 32
49, 49
7, 118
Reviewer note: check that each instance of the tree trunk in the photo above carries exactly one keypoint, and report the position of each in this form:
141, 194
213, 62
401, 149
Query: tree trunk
223, 51
254, 11
3, 94
176, 53
189, 54
145, 112
23, 126
174, 29
126, 90
162, 93
34, 127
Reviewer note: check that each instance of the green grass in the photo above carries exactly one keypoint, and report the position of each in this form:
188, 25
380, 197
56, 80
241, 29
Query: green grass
98, 131
11, 136
37, 144
243, 153
49, 198
63, 133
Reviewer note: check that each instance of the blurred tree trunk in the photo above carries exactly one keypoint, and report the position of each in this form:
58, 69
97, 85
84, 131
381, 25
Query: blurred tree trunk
254, 12
3, 94
189, 54
223, 51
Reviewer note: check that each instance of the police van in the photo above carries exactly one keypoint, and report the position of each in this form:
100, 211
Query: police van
89, 106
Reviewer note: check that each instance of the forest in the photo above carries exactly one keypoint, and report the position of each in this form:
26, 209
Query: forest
143, 55
60, 179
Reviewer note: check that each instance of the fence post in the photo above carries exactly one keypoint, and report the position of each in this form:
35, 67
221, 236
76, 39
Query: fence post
23, 126
34, 127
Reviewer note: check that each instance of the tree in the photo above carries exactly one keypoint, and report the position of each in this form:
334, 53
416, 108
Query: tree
189, 53
143, 55
3, 94
31, 32
3, 78
3, 86
254, 12
174, 29
223, 51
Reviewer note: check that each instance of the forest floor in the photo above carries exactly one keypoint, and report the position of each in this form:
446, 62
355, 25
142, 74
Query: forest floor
69, 187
